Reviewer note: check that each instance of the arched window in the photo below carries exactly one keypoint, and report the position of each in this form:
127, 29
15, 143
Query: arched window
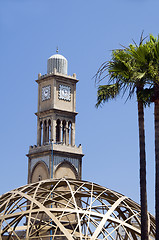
58, 130
39, 172
64, 131
45, 132
67, 170
49, 130
41, 132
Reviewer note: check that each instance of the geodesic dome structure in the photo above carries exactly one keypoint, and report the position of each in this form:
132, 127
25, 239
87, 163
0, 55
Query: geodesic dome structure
69, 209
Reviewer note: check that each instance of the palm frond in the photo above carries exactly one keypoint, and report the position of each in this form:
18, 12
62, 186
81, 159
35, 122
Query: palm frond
106, 92
146, 96
131, 67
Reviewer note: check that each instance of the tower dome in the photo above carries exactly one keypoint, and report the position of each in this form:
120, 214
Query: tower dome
57, 61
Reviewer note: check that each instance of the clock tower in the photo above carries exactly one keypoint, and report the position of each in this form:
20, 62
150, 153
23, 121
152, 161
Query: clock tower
55, 155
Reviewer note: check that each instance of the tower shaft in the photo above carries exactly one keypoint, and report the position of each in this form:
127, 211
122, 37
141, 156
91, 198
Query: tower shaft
55, 154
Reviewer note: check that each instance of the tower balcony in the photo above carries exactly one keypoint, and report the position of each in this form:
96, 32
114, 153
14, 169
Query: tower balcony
57, 147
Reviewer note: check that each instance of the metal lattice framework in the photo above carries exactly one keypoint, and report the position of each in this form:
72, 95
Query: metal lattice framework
69, 209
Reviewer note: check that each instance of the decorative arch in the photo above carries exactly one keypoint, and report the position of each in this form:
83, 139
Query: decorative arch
39, 172
66, 169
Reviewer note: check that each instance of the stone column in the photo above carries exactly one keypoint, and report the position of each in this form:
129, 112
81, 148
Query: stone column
53, 129
60, 133
46, 132
67, 133
44, 135
64, 132
38, 133
73, 134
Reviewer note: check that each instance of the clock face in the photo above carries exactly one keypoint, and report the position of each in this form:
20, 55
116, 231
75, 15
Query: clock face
46, 93
64, 92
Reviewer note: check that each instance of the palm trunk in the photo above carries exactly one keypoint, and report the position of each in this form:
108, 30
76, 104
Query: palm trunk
143, 192
157, 166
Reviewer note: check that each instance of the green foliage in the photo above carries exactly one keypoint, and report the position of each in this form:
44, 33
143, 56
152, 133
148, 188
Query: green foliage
132, 68
146, 96
107, 92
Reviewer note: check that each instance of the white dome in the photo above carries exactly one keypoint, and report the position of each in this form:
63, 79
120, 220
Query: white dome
57, 61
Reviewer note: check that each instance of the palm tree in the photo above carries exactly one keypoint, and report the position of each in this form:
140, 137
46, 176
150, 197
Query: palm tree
151, 68
123, 72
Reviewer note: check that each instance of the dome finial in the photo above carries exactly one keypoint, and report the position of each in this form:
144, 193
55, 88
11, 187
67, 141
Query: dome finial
57, 50
57, 61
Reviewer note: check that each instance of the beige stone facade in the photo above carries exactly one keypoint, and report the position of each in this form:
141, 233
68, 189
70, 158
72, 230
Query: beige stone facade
55, 155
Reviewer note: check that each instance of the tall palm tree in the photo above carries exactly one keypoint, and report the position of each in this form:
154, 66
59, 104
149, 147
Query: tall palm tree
152, 74
149, 66
124, 74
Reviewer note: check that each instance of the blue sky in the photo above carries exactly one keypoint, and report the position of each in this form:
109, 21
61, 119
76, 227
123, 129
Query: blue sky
85, 33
